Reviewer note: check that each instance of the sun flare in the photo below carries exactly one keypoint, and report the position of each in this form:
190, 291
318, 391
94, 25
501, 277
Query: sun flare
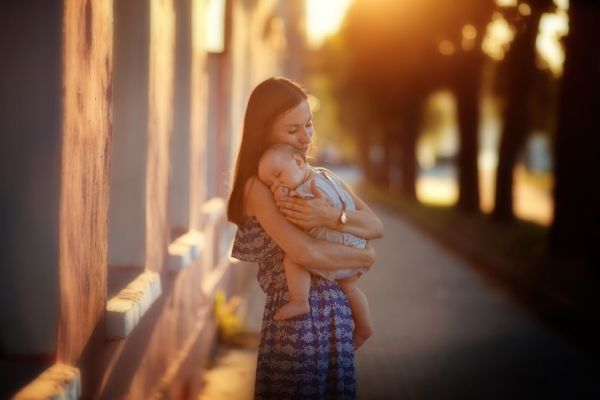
323, 18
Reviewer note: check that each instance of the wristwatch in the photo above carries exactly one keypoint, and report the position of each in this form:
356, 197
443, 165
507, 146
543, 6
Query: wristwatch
343, 218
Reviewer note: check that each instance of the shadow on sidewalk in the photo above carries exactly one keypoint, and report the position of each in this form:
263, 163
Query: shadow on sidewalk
230, 375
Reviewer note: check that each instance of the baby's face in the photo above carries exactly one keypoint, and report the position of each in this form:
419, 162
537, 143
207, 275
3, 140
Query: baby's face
280, 170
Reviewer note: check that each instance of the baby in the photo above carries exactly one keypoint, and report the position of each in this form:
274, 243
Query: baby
285, 171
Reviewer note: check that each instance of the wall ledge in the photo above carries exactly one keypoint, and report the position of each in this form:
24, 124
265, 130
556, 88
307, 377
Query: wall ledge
125, 310
184, 250
60, 381
214, 209
214, 279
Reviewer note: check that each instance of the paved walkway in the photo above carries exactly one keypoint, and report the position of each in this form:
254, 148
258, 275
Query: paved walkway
443, 332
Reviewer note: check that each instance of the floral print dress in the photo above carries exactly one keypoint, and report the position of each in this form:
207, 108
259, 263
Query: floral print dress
306, 357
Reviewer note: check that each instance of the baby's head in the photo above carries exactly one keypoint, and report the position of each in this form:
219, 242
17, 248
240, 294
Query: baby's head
281, 165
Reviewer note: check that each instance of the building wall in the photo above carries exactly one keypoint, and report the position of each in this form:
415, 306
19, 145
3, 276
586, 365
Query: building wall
125, 129
130, 138
30, 146
160, 126
86, 99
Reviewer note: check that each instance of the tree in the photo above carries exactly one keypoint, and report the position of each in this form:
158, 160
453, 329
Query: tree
393, 59
520, 69
381, 70
577, 149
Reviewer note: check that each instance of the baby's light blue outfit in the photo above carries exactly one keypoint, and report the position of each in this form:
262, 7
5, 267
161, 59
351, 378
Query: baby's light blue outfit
335, 194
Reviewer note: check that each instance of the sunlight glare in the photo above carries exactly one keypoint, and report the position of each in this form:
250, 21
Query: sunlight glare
524, 9
446, 47
469, 34
323, 18
498, 37
562, 4
506, 3
438, 191
553, 27
548, 43
214, 22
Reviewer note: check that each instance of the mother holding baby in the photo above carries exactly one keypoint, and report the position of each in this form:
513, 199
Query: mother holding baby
310, 356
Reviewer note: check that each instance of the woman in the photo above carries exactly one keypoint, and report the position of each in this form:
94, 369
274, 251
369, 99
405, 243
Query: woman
311, 356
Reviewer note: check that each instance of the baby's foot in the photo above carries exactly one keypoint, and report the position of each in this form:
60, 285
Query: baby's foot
361, 334
292, 309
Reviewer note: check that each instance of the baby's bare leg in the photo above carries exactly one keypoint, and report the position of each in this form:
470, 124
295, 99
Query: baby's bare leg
298, 282
359, 305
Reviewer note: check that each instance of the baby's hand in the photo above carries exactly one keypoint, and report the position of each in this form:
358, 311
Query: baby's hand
280, 193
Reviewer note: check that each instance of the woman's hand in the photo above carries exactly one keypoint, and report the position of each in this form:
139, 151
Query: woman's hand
308, 213
371, 252
303, 249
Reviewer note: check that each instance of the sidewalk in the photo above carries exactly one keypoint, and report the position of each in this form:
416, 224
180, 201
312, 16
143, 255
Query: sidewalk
232, 376
443, 332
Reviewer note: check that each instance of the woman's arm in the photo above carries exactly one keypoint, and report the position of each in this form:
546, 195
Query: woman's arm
304, 250
310, 213
363, 222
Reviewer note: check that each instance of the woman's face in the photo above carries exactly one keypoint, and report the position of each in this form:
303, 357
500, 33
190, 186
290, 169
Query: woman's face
294, 127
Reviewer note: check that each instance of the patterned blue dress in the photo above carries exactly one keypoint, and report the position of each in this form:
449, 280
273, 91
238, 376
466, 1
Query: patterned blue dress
307, 357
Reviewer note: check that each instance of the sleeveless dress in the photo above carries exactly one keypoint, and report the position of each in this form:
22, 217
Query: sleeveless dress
306, 357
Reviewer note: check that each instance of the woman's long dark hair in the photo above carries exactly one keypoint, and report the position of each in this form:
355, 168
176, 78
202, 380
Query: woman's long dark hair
269, 100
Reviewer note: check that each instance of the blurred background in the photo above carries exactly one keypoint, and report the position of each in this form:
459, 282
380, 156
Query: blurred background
462, 114
470, 127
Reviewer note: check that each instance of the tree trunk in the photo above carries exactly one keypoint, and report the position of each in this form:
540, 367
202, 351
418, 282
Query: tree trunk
520, 72
577, 150
362, 142
388, 134
467, 96
410, 128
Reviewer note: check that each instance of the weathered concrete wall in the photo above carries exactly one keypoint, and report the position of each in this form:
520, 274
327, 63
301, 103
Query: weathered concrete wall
199, 111
160, 126
169, 153
180, 184
87, 69
127, 209
178, 330
30, 143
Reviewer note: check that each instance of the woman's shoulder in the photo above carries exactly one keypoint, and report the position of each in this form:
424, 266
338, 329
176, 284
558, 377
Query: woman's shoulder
254, 186
255, 195
249, 184
252, 189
